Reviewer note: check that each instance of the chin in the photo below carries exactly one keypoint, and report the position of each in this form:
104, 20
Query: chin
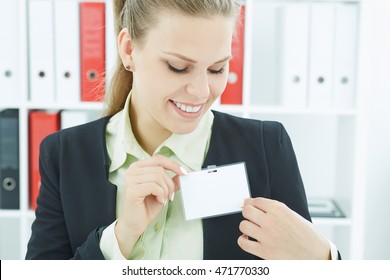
184, 129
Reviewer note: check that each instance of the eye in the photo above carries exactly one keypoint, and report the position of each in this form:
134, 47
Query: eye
177, 70
220, 71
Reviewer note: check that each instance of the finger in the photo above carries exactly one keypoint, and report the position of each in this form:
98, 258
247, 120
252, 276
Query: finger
253, 214
176, 181
149, 169
163, 161
171, 165
171, 185
264, 204
156, 171
155, 174
150, 188
250, 246
261, 203
250, 229
159, 179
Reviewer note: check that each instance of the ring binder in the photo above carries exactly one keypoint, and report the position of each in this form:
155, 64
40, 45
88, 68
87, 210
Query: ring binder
9, 159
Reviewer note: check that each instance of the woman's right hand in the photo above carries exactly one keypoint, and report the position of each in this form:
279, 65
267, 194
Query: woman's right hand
146, 190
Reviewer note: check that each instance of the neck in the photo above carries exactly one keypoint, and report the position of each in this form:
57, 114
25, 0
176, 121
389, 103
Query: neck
148, 132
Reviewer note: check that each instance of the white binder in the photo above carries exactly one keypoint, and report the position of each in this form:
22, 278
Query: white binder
67, 51
73, 118
9, 48
321, 55
111, 48
344, 69
40, 28
264, 63
294, 44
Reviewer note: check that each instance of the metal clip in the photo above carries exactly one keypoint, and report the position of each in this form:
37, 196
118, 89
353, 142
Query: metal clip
212, 168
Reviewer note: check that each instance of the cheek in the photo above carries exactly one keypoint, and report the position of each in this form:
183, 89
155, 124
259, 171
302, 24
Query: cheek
161, 80
218, 85
148, 71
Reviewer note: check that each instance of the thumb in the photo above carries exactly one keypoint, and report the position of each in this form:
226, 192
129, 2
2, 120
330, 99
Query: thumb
176, 181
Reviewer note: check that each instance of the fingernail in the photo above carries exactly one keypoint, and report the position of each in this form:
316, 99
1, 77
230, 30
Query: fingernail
172, 196
165, 202
183, 170
242, 203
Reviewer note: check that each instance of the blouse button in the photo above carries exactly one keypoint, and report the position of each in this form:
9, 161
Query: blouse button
157, 227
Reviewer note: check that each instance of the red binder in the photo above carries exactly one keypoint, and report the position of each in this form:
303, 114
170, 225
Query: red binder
233, 91
92, 50
41, 124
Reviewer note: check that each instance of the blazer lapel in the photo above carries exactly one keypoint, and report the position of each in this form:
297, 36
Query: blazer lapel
220, 234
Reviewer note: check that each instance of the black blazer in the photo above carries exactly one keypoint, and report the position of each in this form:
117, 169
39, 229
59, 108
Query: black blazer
76, 201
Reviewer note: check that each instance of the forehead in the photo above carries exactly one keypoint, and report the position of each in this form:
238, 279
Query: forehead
195, 37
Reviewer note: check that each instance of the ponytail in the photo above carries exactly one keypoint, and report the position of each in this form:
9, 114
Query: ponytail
122, 80
119, 6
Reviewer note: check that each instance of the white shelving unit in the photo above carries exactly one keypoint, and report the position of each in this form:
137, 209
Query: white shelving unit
326, 140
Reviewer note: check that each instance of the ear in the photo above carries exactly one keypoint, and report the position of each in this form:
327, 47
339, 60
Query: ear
125, 49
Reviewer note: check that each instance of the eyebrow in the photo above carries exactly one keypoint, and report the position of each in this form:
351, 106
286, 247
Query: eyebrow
194, 61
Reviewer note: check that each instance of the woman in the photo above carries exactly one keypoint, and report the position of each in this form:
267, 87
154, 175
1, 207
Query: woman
108, 187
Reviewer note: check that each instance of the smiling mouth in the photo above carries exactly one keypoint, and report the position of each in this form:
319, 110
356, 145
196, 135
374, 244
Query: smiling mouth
187, 108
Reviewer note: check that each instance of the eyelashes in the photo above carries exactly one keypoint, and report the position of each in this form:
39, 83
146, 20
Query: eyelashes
187, 69
220, 71
177, 70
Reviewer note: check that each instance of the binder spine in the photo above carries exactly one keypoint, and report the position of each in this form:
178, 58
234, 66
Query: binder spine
92, 50
9, 50
41, 124
9, 159
233, 91
321, 54
67, 51
41, 51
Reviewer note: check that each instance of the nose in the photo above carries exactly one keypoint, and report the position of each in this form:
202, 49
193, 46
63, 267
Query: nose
198, 86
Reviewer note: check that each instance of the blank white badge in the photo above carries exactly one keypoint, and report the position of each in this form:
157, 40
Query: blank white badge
214, 191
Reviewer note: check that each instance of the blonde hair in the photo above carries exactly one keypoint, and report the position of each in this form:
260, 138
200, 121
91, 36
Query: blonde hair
139, 16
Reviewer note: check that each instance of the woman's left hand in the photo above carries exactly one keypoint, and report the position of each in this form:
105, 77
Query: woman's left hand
279, 232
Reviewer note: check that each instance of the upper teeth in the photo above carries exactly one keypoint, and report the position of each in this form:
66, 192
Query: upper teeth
187, 108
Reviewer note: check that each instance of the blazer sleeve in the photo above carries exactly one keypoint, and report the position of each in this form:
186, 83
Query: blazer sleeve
50, 236
286, 184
